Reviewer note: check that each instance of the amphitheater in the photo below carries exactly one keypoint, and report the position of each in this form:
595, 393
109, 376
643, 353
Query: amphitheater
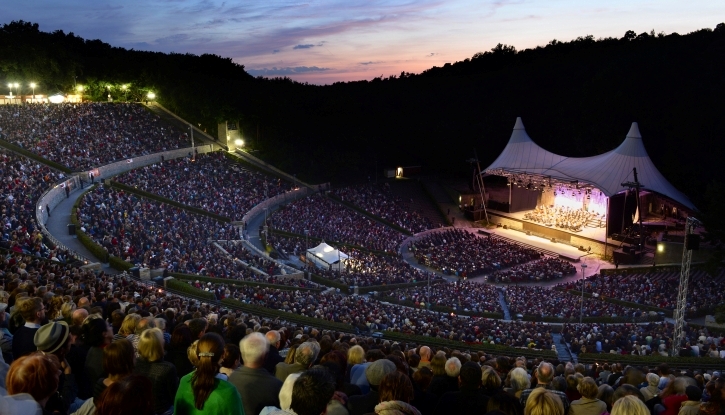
124, 194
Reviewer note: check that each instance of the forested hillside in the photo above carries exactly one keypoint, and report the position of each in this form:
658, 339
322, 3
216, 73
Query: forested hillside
577, 98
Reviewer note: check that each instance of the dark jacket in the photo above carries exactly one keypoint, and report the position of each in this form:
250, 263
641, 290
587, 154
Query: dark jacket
271, 360
285, 369
363, 404
164, 380
466, 401
257, 388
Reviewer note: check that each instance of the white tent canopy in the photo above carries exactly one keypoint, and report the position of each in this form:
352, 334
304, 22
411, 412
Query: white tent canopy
606, 171
325, 256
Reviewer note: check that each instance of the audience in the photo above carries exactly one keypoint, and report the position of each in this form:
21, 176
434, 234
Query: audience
88, 135
378, 201
333, 222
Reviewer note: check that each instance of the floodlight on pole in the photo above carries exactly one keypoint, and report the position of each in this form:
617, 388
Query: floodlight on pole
151, 95
80, 89
33, 85
124, 87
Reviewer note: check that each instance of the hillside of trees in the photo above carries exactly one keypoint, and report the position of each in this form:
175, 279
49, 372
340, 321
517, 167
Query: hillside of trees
577, 98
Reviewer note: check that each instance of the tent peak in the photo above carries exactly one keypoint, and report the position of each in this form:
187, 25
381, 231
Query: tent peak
634, 131
519, 124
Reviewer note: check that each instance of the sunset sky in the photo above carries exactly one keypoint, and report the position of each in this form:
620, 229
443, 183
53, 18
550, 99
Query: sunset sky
341, 40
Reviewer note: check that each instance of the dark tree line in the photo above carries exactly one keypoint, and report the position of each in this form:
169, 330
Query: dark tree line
577, 98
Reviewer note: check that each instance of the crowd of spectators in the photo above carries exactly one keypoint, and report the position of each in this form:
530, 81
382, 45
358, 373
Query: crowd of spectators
333, 222
90, 326
544, 302
461, 253
544, 269
23, 182
88, 135
465, 296
658, 289
152, 234
639, 339
211, 182
361, 269
379, 201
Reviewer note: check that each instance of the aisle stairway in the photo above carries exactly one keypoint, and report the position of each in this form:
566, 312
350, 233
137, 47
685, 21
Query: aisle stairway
504, 305
562, 351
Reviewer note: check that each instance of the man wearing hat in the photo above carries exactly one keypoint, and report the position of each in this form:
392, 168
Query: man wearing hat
53, 338
375, 372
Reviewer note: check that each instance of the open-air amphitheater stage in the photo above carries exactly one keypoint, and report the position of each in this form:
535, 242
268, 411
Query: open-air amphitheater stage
567, 243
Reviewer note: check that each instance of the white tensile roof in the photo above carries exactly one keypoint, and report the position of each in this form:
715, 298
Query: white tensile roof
327, 253
606, 171
522, 155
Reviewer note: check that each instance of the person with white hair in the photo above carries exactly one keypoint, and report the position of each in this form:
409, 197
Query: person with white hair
257, 387
519, 380
651, 389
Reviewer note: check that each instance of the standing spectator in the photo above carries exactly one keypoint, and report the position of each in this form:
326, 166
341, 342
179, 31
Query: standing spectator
97, 334
651, 389
53, 339
692, 405
305, 356
544, 402
375, 372
257, 387
445, 374
469, 400
396, 392
201, 392
32, 310
544, 375
629, 405
130, 395
176, 354
36, 374
588, 404
273, 357
162, 374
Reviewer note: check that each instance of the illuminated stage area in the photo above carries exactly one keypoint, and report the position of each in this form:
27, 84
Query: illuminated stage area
581, 201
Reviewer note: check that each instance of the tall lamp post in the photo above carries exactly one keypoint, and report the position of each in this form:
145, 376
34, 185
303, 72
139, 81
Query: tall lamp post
581, 309
307, 245
33, 85
79, 88
125, 92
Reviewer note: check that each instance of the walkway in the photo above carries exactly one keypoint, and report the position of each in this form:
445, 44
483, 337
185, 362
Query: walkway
504, 304
562, 352
57, 225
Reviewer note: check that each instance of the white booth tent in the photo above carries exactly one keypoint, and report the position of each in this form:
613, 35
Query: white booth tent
326, 257
605, 172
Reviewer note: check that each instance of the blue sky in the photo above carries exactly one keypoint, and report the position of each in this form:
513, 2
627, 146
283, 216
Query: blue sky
340, 40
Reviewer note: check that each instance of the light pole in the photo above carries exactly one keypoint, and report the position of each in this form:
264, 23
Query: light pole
581, 309
125, 92
79, 88
33, 85
307, 245
193, 155
17, 91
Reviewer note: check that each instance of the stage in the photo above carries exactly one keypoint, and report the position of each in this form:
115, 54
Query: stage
571, 242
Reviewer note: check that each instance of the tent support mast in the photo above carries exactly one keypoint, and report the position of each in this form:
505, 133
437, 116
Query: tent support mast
481, 188
637, 185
